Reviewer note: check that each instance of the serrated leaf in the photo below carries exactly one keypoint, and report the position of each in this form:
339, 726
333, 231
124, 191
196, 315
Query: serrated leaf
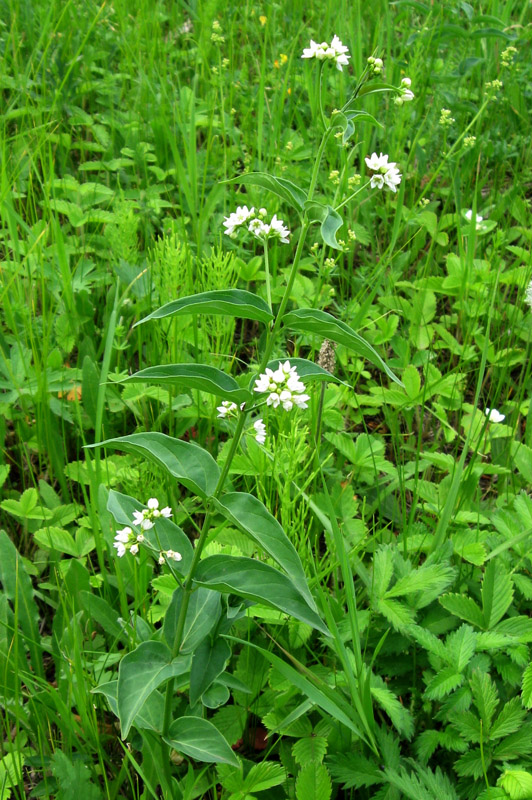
517, 783
201, 740
526, 689
354, 771
313, 781
509, 720
516, 745
396, 613
193, 466
311, 320
497, 593
463, 607
227, 302
400, 716
461, 646
433, 577
484, 696
469, 765
443, 683
264, 776
310, 749
254, 580
193, 376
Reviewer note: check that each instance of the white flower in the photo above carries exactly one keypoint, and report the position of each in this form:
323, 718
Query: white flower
278, 228
386, 175
260, 431
153, 503
162, 558
258, 228
469, 216
134, 549
493, 415
377, 181
392, 179
140, 537
174, 555
120, 549
146, 524
406, 82
121, 540
237, 218
335, 51
375, 162
166, 512
528, 294
283, 387
226, 409
138, 517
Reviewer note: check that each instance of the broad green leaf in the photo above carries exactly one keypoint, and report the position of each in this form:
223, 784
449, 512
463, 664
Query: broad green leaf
193, 376
330, 220
311, 320
140, 673
256, 581
307, 370
99, 610
313, 781
329, 700
53, 538
497, 593
282, 187
18, 588
199, 739
252, 517
151, 715
166, 534
208, 662
228, 302
189, 463
517, 783
463, 607
203, 613
526, 692
73, 778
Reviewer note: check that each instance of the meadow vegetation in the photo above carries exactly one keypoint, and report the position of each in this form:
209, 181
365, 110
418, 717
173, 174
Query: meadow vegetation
266, 393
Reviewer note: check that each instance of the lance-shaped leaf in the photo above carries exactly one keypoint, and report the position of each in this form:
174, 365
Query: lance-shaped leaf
208, 662
140, 673
193, 466
228, 302
203, 613
193, 376
311, 320
199, 739
330, 220
259, 582
165, 535
307, 370
252, 517
282, 187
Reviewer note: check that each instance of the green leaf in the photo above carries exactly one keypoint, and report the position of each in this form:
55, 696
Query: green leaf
189, 463
150, 716
526, 692
509, 720
193, 376
18, 588
443, 683
311, 320
282, 187
463, 607
497, 593
256, 581
313, 781
228, 302
165, 534
208, 662
73, 779
264, 776
199, 739
307, 370
99, 610
517, 783
400, 716
460, 646
140, 673
329, 700
484, 696
53, 538
310, 749
252, 517
203, 613
354, 771
331, 221
428, 577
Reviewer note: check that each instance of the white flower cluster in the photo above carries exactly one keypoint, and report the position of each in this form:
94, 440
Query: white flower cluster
386, 173
228, 409
127, 540
283, 387
335, 51
256, 225
406, 93
478, 219
260, 431
169, 554
528, 295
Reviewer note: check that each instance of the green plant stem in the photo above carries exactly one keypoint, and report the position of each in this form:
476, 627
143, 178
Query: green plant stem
187, 586
337, 208
267, 271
